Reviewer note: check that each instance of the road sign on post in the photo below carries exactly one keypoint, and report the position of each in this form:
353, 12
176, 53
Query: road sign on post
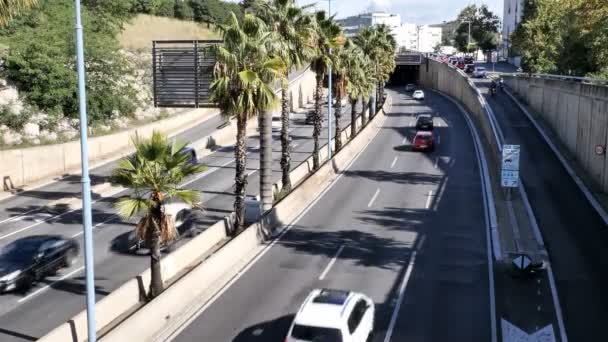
510, 166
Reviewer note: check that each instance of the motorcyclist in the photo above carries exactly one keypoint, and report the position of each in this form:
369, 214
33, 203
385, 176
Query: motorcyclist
493, 87
501, 83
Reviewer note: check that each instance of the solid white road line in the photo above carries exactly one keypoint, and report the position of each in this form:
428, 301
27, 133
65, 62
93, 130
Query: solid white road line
97, 225
371, 202
404, 141
331, 263
51, 284
438, 139
436, 161
428, 199
15, 218
406, 279
394, 162
558, 308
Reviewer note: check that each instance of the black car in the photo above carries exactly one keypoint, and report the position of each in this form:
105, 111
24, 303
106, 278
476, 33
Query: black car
469, 68
191, 152
424, 122
310, 118
410, 87
28, 260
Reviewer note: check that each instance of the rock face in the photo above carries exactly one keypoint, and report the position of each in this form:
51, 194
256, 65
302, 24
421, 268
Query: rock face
31, 130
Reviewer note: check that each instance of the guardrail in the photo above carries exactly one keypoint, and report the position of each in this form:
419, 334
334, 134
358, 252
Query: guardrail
586, 80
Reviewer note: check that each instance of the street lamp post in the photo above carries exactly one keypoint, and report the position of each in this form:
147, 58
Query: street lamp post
86, 181
329, 104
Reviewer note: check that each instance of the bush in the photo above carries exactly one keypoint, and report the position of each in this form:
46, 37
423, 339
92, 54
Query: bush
13, 120
41, 61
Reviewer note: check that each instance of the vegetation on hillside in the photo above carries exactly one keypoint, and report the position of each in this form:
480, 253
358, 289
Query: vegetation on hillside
566, 37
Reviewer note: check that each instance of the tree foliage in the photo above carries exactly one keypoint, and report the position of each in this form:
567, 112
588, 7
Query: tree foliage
484, 29
566, 37
41, 59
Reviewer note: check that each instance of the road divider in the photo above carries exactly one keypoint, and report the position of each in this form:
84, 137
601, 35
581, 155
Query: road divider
202, 266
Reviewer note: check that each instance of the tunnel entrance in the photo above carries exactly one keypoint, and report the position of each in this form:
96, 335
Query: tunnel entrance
404, 74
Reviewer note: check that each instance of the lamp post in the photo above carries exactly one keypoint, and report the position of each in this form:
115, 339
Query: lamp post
329, 104
86, 181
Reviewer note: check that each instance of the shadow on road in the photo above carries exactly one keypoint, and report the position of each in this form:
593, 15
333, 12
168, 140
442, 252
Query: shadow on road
274, 330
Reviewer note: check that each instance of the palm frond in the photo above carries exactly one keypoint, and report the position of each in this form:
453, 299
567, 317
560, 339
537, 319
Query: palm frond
128, 207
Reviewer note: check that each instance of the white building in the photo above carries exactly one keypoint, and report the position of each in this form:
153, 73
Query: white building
428, 38
414, 37
512, 14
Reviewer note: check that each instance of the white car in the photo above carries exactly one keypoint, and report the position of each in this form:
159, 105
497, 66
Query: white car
418, 95
277, 124
333, 316
479, 72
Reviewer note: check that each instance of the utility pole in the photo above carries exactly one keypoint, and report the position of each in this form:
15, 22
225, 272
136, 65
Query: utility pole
86, 181
469, 38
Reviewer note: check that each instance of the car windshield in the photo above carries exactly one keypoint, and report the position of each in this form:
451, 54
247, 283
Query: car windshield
481, 69
316, 334
19, 250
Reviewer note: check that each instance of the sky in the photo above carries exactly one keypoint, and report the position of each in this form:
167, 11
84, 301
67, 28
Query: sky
412, 11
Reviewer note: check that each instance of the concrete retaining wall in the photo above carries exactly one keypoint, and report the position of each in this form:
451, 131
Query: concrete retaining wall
27, 166
577, 115
19, 167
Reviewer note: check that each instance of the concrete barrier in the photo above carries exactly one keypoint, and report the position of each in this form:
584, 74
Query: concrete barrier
162, 312
130, 295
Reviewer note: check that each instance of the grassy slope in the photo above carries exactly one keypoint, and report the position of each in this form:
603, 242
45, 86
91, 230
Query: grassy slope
142, 29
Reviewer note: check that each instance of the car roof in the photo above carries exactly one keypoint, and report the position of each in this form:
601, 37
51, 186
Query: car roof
425, 116
418, 91
175, 207
326, 308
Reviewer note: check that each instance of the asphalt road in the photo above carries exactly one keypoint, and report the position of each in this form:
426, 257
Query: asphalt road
575, 235
27, 317
400, 219
31, 202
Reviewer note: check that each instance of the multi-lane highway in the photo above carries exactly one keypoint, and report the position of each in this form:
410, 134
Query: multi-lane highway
574, 233
406, 228
59, 298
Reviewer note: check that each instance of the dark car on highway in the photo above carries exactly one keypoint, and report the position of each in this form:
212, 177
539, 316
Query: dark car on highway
28, 260
469, 68
410, 87
424, 122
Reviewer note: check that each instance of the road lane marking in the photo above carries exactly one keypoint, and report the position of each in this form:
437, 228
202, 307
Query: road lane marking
331, 263
404, 141
18, 217
373, 198
394, 162
438, 139
556, 304
436, 161
251, 172
97, 225
51, 284
428, 199
406, 279
266, 248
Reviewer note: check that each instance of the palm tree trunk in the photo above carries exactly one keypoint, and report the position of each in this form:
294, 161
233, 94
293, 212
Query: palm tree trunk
317, 121
372, 110
156, 278
353, 117
338, 115
285, 145
240, 178
364, 107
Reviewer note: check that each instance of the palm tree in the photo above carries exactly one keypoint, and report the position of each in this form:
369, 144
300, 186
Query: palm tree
154, 173
357, 67
294, 30
328, 36
244, 72
341, 58
387, 46
10, 8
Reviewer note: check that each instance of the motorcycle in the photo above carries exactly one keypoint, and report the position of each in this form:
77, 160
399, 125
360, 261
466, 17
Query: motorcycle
493, 91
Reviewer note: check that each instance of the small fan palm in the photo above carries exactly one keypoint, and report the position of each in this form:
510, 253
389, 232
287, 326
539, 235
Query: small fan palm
154, 173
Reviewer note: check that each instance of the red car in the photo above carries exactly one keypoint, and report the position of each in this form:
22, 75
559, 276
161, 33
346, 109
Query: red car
424, 141
460, 65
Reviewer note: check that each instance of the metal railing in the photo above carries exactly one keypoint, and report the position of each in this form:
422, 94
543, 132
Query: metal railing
586, 80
